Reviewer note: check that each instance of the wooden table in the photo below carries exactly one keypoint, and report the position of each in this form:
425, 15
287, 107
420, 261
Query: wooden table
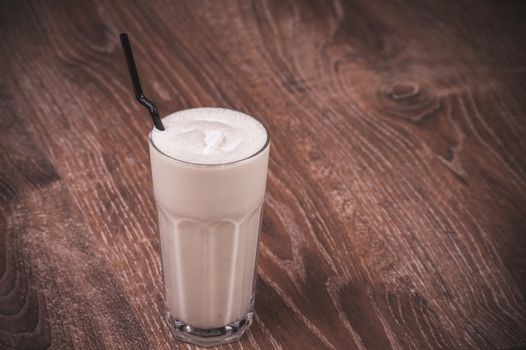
396, 201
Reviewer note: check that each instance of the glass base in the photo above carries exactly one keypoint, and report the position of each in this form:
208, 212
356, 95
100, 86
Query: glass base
210, 337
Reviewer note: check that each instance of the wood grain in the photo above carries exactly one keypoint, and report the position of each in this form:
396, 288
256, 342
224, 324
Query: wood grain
395, 212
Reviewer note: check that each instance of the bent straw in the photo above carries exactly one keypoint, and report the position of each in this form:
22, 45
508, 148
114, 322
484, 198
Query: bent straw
143, 100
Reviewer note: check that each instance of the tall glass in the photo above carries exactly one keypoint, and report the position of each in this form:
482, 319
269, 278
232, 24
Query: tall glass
209, 223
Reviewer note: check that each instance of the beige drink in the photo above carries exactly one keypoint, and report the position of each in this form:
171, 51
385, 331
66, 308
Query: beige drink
209, 170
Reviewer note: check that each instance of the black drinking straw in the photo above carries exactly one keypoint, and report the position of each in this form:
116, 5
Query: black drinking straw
143, 100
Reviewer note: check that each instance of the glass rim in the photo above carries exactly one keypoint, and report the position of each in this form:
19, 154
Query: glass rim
235, 162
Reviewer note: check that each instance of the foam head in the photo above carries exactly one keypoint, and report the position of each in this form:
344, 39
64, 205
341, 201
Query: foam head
210, 136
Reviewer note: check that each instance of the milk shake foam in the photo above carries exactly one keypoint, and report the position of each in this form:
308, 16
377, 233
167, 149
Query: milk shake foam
209, 170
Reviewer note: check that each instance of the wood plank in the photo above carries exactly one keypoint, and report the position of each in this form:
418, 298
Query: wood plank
395, 209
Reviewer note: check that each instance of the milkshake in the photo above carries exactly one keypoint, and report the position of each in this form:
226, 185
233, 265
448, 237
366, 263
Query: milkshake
209, 170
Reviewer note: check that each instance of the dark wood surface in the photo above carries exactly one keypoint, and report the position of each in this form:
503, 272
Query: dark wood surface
396, 204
